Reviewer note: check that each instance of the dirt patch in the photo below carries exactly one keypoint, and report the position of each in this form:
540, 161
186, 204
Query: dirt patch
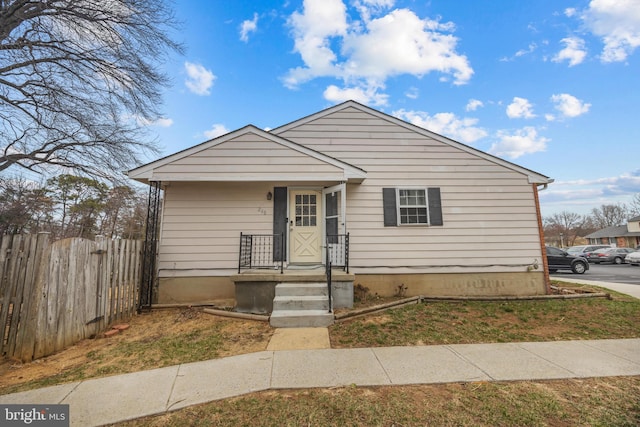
136, 348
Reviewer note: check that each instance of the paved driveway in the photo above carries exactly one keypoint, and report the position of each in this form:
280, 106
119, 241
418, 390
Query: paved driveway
619, 278
624, 273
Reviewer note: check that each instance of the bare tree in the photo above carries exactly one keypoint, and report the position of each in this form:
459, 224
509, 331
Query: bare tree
79, 80
610, 215
24, 207
634, 206
563, 228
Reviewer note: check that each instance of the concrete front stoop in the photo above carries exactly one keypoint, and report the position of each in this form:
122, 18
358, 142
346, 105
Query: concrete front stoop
301, 305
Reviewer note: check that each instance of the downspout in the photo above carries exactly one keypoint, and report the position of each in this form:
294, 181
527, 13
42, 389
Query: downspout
545, 264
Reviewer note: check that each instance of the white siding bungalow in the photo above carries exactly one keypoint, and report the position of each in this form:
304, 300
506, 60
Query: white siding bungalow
398, 206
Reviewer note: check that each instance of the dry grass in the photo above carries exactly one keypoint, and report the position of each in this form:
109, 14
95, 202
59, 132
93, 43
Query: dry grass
167, 337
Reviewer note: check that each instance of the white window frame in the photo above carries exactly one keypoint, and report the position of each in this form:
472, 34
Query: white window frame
399, 207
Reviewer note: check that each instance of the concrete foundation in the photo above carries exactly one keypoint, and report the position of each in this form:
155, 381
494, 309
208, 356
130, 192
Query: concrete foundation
454, 284
342, 293
254, 293
255, 297
192, 290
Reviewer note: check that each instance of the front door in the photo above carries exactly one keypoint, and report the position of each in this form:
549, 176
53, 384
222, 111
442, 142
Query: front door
305, 226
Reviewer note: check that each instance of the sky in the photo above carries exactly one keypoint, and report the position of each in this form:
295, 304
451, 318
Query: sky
551, 85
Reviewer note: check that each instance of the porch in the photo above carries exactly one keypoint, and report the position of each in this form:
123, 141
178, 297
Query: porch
255, 289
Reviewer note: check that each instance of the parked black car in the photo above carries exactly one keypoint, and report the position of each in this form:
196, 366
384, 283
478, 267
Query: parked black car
561, 260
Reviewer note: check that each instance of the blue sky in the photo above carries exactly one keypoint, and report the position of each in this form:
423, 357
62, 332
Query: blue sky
551, 85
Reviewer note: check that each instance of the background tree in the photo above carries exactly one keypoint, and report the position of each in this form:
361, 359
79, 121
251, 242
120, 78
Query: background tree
78, 200
634, 206
562, 229
78, 81
24, 207
71, 206
610, 215
121, 213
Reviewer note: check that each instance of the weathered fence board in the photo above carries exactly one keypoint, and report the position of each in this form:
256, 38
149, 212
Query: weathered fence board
53, 295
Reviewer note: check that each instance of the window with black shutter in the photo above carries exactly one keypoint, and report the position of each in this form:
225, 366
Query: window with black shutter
412, 206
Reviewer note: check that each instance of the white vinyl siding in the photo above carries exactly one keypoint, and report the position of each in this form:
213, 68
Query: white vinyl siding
489, 213
202, 223
248, 157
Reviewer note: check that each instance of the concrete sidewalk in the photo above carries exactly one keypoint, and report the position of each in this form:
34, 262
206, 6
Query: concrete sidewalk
123, 397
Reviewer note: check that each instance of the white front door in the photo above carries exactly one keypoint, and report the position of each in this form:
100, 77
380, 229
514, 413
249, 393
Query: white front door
305, 226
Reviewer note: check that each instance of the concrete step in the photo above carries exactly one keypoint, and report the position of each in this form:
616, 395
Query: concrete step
301, 319
301, 302
301, 289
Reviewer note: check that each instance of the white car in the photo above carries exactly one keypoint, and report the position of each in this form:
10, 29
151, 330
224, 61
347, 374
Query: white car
633, 258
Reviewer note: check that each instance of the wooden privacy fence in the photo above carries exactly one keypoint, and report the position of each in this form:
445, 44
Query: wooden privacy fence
53, 295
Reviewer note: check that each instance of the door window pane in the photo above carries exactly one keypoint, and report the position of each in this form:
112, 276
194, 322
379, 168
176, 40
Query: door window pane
306, 210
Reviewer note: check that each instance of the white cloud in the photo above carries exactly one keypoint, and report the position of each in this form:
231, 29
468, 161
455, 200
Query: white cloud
530, 49
573, 51
617, 22
313, 29
569, 105
447, 124
523, 141
520, 108
570, 11
522, 52
248, 26
589, 193
402, 43
215, 131
366, 8
199, 79
368, 95
474, 104
364, 53
412, 93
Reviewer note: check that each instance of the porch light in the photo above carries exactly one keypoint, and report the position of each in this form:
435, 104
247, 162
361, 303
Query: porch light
269, 195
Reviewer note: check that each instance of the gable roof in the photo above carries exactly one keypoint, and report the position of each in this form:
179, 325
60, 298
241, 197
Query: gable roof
613, 231
158, 170
534, 177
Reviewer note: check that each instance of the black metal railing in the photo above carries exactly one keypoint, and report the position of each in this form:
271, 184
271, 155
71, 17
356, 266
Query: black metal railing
327, 267
338, 250
147, 288
261, 251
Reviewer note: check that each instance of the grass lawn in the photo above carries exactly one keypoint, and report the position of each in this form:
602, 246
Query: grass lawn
169, 337
585, 402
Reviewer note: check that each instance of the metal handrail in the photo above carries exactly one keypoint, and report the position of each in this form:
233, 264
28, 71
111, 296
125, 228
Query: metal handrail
328, 274
337, 247
257, 251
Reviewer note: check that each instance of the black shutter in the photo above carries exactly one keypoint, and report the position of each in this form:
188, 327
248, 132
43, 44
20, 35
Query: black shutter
279, 223
435, 206
389, 205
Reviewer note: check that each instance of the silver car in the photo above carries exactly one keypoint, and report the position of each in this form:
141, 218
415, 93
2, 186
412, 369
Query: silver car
633, 258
